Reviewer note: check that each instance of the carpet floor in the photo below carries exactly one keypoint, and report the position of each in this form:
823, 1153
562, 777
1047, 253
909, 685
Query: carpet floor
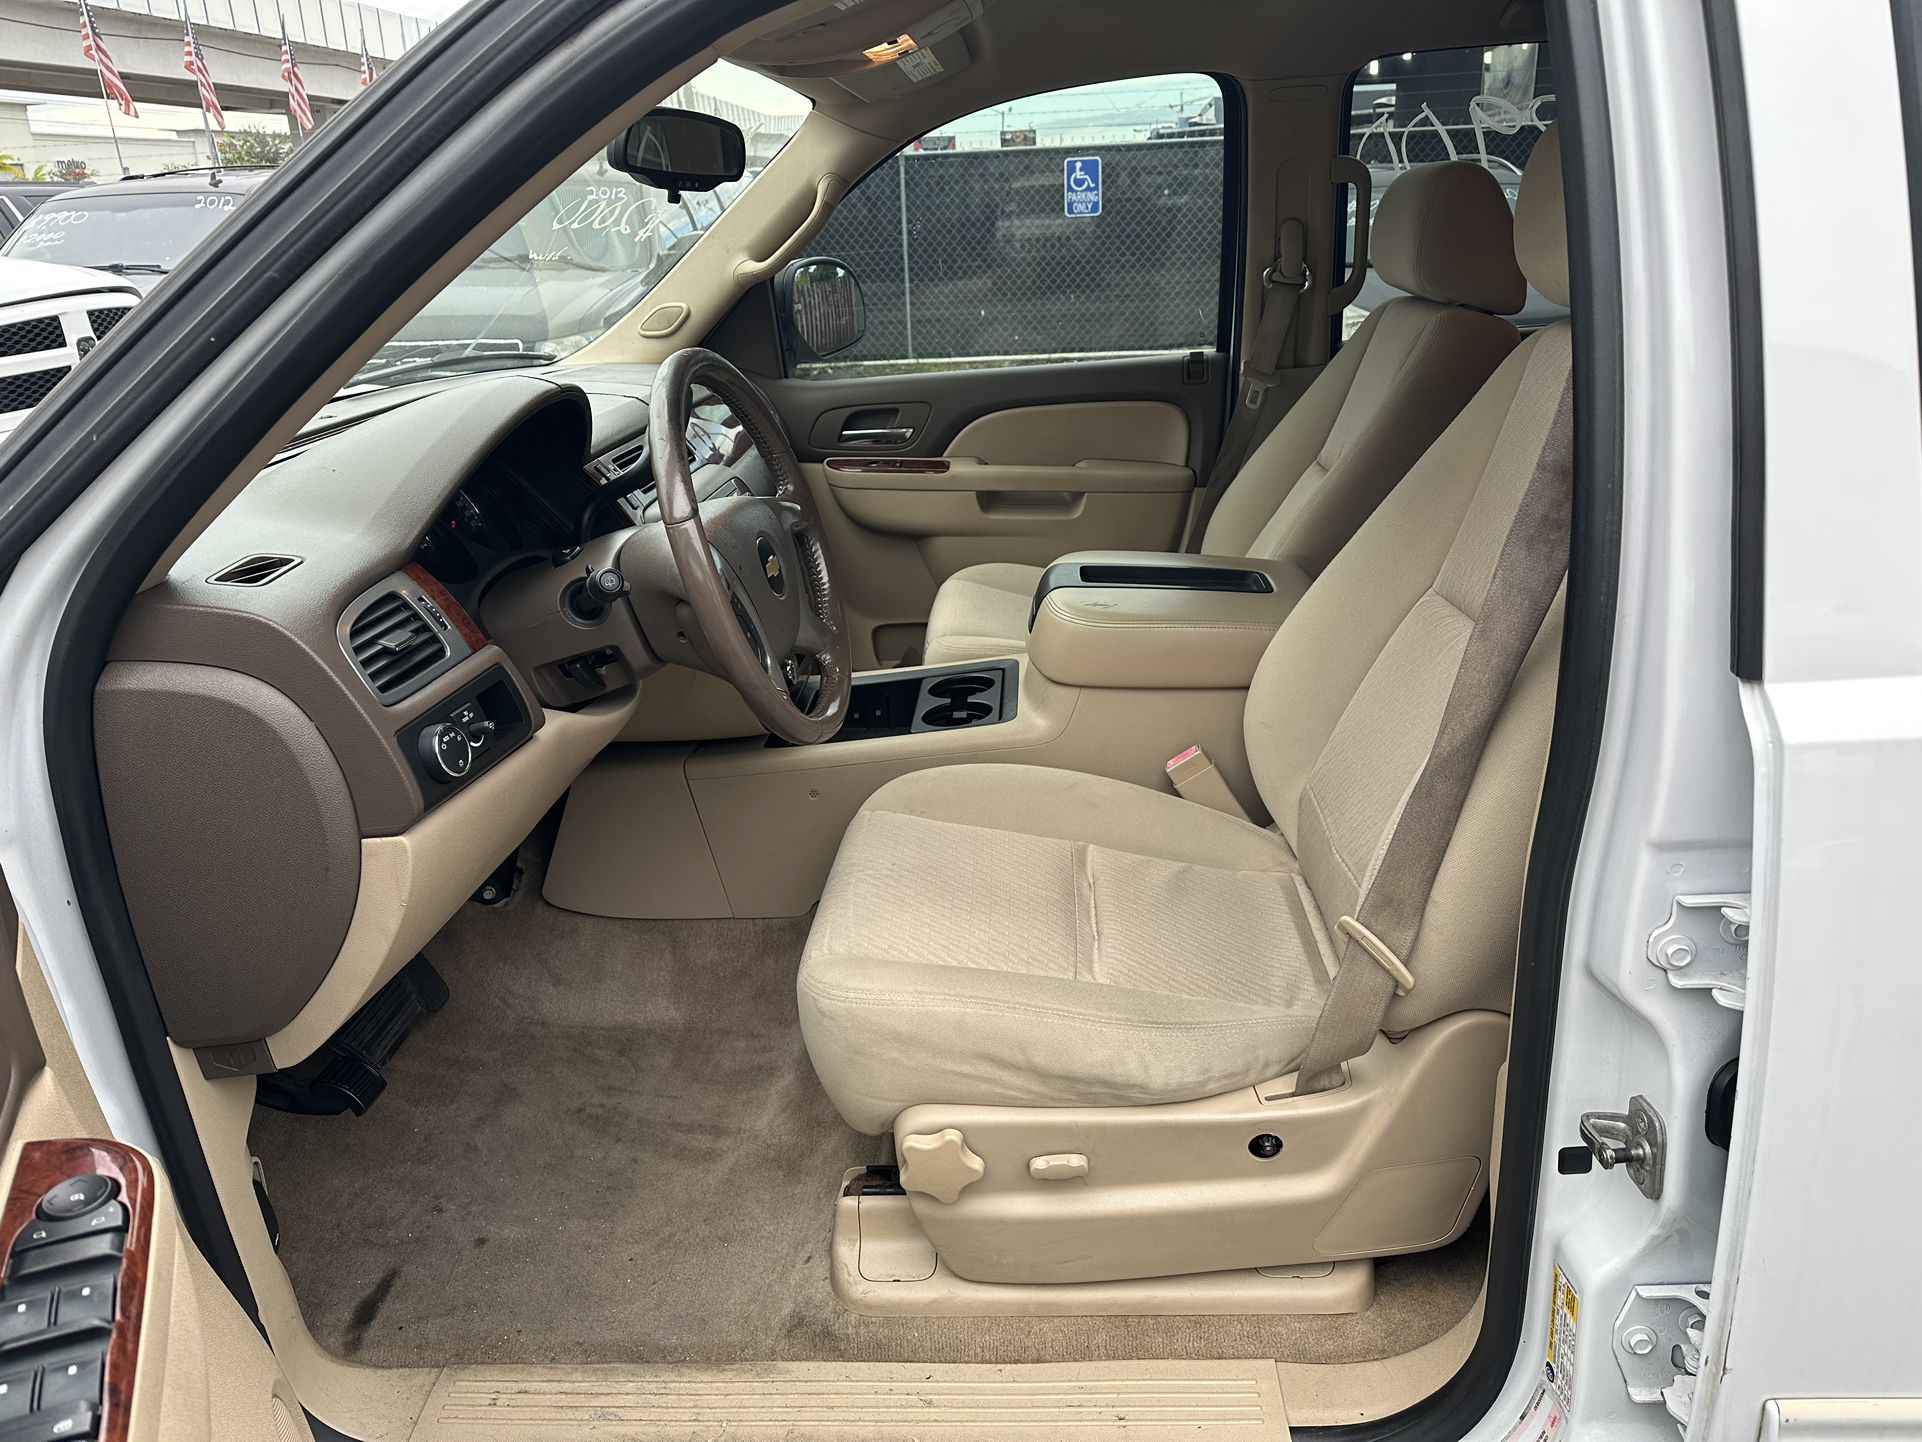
610, 1147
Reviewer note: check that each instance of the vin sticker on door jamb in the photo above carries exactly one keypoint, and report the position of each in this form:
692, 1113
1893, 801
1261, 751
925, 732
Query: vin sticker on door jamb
1563, 1312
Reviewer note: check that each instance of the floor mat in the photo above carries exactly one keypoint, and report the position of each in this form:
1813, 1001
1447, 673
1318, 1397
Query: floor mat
610, 1147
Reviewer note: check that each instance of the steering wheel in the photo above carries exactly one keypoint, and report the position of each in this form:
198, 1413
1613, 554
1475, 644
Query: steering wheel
754, 568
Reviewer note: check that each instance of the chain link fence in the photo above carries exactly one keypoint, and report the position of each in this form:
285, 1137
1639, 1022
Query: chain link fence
971, 256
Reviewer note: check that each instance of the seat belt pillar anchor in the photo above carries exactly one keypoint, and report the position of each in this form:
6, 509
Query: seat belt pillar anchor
1378, 950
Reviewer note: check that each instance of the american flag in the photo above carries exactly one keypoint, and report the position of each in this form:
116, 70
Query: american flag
367, 76
296, 87
196, 66
95, 49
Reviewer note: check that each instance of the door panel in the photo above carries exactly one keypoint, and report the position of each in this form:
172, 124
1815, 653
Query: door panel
1018, 464
939, 408
138, 1337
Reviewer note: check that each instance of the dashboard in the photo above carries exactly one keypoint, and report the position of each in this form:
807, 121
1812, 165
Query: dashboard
332, 686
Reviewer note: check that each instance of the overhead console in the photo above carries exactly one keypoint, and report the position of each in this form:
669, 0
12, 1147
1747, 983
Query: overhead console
1151, 621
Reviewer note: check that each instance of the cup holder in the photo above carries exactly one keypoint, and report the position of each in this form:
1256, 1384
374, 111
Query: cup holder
960, 688
957, 713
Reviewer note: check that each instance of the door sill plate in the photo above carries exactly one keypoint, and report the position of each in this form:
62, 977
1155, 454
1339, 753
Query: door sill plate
871, 1400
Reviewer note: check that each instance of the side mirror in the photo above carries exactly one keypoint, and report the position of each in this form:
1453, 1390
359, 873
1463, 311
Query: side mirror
820, 307
677, 150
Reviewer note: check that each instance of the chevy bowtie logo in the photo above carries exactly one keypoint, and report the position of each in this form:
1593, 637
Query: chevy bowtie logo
771, 566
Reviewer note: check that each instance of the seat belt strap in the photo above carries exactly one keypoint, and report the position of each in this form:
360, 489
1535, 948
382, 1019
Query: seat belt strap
1282, 287
1374, 942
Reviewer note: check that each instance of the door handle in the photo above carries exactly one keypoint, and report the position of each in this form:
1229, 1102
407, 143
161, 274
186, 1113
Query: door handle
879, 438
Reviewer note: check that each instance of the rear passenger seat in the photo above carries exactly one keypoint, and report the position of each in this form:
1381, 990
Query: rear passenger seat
1444, 234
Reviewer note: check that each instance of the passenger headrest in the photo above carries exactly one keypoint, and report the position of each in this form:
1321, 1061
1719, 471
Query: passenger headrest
1445, 232
1541, 219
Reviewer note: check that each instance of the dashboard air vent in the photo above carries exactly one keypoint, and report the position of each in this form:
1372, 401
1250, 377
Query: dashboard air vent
254, 570
394, 645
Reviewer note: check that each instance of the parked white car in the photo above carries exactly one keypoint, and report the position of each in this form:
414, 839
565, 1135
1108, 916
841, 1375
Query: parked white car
50, 317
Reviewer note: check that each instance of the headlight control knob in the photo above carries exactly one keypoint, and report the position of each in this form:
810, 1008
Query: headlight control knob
446, 751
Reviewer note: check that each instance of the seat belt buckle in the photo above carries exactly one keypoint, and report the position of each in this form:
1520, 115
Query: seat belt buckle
1195, 778
1378, 951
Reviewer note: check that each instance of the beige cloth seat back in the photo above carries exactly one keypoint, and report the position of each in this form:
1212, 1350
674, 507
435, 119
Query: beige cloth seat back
1444, 234
1016, 936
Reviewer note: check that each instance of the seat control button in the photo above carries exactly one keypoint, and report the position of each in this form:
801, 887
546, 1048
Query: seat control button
1061, 1167
110, 1218
75, 1197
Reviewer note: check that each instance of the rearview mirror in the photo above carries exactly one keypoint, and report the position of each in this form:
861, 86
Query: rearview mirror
677, 150
820, 305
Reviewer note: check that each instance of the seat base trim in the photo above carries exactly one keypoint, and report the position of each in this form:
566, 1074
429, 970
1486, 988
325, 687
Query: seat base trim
1394, 1161
883, 1265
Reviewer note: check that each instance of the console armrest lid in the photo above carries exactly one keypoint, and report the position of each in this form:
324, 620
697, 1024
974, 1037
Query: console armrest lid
1139, 631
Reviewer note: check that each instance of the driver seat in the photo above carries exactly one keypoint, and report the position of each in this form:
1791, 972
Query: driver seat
1036, 977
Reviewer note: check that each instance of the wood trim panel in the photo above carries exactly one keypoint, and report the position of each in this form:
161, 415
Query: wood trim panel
889, 465
43, 1165
470, 629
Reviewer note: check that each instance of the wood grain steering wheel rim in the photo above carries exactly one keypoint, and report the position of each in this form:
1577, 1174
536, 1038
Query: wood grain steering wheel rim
754, 569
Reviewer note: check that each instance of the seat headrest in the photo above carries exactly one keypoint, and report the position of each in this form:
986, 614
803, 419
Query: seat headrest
1541, 219
1445, 232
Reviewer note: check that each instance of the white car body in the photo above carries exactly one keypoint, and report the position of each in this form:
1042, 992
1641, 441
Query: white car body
34, 291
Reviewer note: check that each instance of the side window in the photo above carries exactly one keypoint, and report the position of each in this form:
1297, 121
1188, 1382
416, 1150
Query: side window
1487, 106
1082, 222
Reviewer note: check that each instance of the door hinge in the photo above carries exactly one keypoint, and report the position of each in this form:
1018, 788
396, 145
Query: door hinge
1658, 1345
1703, 946
1635, 1140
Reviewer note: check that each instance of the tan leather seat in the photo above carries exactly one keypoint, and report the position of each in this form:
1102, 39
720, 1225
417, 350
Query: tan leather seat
1016, 936
1444, 234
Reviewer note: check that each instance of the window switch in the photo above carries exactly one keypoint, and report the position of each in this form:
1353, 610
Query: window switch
110, 1218
102, 1247
54, 1424
16, 1395
24, 1318
64, 1383
83, 1302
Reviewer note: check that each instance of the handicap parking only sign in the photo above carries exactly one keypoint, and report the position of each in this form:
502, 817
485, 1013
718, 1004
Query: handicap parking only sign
1081, 185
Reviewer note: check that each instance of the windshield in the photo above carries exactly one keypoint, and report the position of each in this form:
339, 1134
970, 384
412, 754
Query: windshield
140, 231
587, 254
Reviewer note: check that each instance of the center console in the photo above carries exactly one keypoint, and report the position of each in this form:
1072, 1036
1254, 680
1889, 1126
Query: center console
951, 698
1153, 621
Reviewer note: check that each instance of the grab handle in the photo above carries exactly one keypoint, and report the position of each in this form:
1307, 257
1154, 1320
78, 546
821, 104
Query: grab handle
827, 194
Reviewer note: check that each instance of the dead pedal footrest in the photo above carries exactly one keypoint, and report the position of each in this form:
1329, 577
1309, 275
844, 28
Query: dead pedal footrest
346, 1073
